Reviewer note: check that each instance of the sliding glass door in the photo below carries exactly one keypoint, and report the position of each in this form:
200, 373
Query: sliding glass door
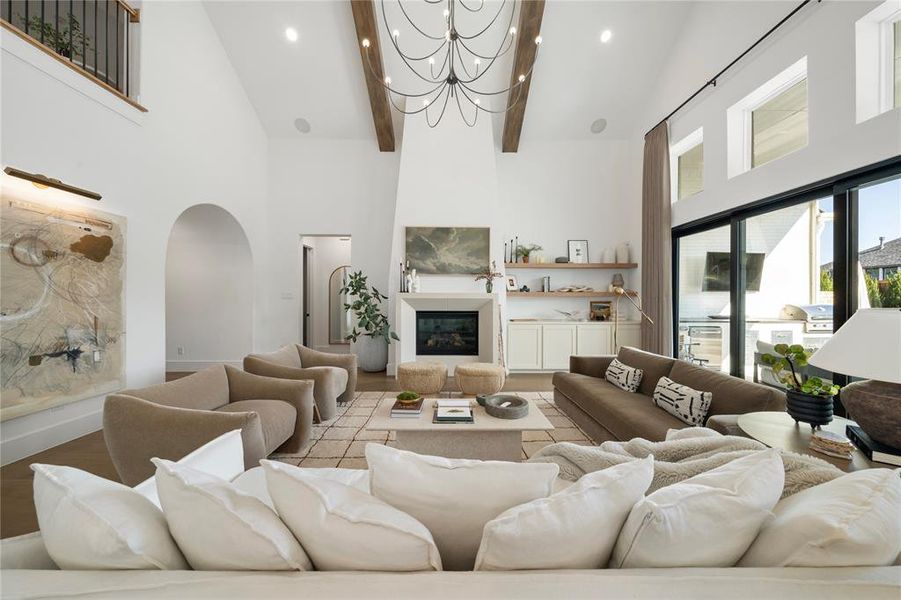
788, 269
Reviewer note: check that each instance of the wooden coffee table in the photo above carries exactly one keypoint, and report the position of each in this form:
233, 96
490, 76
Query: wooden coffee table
778, 430
488, 438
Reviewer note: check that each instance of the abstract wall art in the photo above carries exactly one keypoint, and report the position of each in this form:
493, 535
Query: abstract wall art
448, 250
62, 310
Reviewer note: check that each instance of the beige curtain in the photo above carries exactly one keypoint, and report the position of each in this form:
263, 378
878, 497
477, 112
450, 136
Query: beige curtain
656, 244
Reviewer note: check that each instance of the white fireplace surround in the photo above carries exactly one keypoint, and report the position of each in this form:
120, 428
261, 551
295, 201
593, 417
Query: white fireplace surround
406, 306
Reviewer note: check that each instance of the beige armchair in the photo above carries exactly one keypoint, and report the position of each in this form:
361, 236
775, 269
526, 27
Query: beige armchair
172, 419
334, 376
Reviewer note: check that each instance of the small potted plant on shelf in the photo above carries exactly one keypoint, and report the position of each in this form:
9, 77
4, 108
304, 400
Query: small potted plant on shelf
808, 399
371, 331
525, 251
489, 275
407, 397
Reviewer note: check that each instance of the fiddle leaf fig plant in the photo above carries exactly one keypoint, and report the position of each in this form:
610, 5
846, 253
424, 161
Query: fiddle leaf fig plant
786, 363
366, 304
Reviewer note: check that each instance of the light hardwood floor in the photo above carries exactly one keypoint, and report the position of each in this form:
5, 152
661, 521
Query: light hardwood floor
89, 453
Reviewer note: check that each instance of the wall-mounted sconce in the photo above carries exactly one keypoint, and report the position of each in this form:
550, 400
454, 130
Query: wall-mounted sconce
43, 182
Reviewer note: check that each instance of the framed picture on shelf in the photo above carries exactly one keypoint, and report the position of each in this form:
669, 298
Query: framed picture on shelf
599, 310
577, 251
511, 283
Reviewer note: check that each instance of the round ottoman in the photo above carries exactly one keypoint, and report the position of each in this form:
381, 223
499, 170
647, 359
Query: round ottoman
422, 376
479, 378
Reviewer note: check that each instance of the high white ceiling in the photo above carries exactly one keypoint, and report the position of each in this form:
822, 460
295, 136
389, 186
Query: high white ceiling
577, 79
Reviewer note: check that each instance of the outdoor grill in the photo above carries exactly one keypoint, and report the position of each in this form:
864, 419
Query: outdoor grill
816, 317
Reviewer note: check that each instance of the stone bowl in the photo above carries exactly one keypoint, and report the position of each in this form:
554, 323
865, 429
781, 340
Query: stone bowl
517, 408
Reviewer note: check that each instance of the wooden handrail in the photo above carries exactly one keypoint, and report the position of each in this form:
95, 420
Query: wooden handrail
135, 13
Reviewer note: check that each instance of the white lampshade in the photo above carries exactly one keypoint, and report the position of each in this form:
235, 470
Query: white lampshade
868, 345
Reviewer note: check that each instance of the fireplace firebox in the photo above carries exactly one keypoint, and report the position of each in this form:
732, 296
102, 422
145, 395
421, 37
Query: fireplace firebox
447, 333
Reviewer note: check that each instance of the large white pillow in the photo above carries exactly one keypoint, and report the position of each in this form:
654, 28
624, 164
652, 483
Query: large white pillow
253, 481
851, 521
709, 520
220, 528
345, 529
222, 457
572, 529
454, 498
88, 522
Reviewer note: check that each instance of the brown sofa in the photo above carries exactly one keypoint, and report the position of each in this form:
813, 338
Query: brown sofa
605, 412
334, 376
172, 419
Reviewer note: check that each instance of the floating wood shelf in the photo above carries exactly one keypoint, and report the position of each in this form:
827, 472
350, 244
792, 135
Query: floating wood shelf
597, 294
571, 265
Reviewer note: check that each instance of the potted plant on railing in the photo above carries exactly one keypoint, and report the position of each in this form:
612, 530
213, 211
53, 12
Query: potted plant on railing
489, 274
525, 251
67, 42
808, 399
371, 331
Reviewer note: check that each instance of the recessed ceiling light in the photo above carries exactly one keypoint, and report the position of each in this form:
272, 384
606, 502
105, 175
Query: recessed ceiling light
302, 125
291, 34
599, 125
606, 35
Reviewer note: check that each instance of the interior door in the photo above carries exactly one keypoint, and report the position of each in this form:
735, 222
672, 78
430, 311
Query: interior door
306, 294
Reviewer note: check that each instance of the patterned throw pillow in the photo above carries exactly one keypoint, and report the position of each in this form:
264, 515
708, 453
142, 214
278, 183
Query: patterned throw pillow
623, 376
684, 403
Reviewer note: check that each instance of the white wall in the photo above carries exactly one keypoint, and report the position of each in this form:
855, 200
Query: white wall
713, 35
200, 143
329, 253
552, 192
209, 306
324, 188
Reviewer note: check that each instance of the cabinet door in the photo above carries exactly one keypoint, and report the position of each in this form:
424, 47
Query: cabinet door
524, 346
629, 334
594, 340
558, 344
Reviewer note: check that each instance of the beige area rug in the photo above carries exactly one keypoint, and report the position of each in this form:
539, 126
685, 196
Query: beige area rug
341, 441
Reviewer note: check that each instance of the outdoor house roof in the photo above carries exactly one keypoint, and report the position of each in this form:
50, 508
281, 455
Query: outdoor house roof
887, 254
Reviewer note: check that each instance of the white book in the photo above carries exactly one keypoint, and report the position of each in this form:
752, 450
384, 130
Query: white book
454, 412
448, 403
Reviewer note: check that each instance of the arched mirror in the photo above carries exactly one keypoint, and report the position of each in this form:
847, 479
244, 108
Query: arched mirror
338, 317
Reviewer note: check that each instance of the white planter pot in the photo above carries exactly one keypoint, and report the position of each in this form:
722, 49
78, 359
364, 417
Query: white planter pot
372, 353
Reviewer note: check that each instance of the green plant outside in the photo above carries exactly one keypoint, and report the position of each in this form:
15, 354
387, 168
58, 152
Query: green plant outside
58, 39
366, 305
826, 282
785, 363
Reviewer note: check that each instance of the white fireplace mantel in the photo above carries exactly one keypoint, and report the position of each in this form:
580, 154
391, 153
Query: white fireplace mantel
406, 305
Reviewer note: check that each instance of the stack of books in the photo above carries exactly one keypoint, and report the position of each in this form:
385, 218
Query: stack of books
410, 410
453, 411
874, 450
831, 444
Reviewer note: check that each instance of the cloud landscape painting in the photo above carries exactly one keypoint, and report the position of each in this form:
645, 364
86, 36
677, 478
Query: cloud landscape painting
448, 250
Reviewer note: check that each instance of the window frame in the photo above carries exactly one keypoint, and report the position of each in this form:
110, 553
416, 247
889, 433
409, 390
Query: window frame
739, 131
843, 189
687, 143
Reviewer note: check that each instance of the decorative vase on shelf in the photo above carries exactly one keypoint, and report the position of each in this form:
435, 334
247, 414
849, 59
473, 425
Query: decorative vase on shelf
808, 408
623, 253
609, 255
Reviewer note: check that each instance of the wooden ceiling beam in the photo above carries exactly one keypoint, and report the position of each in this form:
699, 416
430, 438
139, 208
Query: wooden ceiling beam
367, 29
530, 15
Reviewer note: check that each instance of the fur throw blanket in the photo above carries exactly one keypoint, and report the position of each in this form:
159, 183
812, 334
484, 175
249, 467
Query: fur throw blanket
685, 453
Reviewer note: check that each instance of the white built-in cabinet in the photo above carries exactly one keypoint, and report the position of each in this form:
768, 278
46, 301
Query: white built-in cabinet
547, 345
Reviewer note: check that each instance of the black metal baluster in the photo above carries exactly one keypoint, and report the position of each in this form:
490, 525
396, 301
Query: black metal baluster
42, 20
118, 12
56, 25
84, 34
127, 52
96, 38
26, 16
106, 41
71, 16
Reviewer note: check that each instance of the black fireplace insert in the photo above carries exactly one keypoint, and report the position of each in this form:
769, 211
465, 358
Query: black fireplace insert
447, 332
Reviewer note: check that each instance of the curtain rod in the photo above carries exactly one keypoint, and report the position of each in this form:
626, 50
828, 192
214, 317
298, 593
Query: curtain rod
712, 80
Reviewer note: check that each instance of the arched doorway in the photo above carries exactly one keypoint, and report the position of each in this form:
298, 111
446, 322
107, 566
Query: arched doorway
209, 290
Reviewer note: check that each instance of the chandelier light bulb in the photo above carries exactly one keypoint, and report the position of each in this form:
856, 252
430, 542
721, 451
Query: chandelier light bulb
425, 102
478, 101
387, 81
513, 31
291, 34
606, 35
522, 78
395, 33
432, 60
446, 13
365, 42
538, 41
478, 61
